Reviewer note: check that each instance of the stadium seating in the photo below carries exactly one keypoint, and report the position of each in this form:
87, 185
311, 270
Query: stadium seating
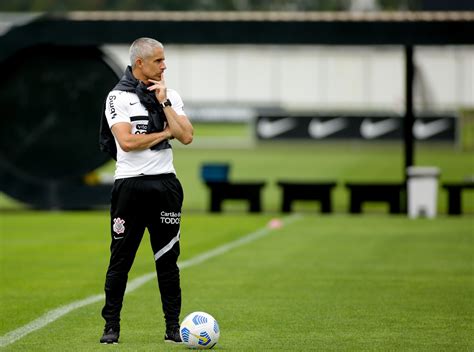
221, 191
216, 178
376, 192
318, 191
454, 195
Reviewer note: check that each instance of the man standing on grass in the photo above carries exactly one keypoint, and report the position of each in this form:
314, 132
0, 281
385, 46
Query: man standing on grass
141, 116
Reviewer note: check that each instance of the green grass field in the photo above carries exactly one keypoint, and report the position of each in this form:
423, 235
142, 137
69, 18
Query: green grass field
339, 162
328, 283
375, 282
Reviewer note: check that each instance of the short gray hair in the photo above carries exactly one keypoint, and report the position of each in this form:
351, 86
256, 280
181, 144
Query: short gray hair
143, 47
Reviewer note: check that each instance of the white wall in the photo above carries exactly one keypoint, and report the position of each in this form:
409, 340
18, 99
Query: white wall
316, 77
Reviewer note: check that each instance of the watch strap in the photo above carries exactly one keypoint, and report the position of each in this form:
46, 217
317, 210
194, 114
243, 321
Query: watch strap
166, 103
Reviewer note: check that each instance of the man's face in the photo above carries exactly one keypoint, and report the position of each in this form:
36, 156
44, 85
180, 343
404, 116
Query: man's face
153, 66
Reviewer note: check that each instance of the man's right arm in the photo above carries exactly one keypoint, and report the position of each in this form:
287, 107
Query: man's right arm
129, 142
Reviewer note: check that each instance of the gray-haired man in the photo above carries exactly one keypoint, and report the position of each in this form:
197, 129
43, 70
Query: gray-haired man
141, 116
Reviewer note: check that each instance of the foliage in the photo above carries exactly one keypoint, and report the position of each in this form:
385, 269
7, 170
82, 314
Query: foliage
201, 5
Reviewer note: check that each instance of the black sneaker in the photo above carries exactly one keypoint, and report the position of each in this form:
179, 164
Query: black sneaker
111, 335
172, 336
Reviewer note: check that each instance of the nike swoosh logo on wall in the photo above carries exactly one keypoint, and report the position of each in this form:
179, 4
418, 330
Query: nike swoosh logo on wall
423, 130
371, 130
269, 129
320, 129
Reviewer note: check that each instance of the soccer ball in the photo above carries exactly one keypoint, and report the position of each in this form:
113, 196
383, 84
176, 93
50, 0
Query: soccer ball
199, 330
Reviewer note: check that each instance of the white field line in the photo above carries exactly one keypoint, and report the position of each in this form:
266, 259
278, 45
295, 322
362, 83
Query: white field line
57, 313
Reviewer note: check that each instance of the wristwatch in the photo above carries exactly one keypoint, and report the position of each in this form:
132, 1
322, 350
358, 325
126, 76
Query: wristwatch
165, 103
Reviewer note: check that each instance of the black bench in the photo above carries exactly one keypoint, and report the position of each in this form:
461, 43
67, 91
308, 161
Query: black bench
378, 192
454, 195
216, 176
319, 191
221, 191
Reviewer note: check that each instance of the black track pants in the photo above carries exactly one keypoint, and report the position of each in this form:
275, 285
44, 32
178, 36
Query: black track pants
152, 202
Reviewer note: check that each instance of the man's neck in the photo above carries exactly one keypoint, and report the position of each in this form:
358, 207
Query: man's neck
139, 76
